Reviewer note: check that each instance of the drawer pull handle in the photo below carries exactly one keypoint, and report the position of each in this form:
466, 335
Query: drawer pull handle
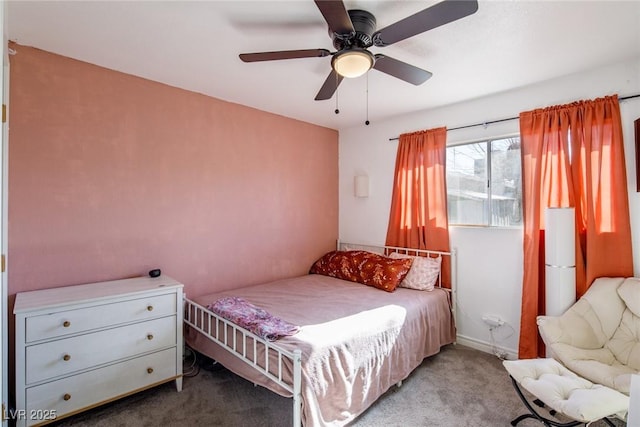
66, 324
149, 308
66, 357
149, 337
67, 396
150, 370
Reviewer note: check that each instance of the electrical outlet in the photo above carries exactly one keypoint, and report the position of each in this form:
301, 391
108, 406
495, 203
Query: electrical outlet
492, 320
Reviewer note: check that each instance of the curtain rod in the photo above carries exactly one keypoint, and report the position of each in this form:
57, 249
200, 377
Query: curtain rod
508, 119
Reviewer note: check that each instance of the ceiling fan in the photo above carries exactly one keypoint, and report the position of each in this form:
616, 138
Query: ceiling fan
354, 31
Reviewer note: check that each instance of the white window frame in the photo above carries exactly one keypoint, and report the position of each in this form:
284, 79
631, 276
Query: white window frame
487, 213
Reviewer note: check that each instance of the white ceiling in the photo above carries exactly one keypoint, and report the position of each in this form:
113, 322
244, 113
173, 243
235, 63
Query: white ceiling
195, 46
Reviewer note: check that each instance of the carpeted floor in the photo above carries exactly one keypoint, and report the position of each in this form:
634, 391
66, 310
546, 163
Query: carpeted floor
458, 387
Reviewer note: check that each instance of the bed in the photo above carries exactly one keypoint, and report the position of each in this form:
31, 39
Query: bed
354, 341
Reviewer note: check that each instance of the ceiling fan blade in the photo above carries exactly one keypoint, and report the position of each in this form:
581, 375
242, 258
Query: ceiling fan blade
401, 70
284, 54
431, 17
336, 16
329, 87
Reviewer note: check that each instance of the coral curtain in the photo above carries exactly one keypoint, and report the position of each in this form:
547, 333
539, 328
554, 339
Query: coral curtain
418, 216
585, 171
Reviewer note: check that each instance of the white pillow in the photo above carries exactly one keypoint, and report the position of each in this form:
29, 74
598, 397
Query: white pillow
423, 273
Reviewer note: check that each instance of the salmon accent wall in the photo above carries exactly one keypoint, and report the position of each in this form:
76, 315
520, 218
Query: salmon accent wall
111, 175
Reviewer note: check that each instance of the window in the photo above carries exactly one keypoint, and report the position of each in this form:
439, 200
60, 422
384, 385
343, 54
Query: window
484, 183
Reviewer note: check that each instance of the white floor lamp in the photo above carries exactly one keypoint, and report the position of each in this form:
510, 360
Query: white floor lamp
560, 260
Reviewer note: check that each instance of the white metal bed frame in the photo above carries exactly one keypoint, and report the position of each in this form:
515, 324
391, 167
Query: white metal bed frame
237, 340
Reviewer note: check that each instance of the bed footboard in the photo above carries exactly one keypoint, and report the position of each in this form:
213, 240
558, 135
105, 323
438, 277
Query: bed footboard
245, 345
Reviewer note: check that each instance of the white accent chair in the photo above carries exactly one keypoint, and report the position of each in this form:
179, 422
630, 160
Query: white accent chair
597, 342
598, 338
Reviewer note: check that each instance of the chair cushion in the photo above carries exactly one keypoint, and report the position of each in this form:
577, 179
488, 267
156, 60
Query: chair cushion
565, 391
591, 321
625, 343
599, 366
606, 304
629, 292
598, 338
579, 327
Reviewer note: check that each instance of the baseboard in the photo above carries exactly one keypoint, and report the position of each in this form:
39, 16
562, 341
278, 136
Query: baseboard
486, 347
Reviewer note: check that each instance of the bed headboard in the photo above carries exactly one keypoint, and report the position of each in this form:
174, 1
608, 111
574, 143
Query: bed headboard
384, 250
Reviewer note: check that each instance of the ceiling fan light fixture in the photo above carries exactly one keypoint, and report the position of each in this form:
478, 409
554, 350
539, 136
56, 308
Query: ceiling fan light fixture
352, 62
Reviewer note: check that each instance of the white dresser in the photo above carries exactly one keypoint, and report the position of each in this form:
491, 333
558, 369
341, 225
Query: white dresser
80, 346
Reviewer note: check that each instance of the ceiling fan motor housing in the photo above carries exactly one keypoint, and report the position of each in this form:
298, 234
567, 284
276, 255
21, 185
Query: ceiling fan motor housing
364, 24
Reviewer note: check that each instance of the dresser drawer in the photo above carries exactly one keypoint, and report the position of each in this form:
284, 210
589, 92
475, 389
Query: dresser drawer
89, 388
85, 319
68, 355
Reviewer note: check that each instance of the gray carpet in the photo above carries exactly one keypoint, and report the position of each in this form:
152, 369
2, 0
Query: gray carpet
457, 387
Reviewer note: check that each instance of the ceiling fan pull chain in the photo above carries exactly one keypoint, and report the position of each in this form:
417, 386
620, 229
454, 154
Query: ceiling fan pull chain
367, 121
337, 83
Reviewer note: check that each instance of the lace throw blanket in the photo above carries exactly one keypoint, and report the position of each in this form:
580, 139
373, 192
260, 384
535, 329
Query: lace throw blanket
252, 318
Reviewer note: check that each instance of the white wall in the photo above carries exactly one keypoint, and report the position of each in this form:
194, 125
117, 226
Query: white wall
490, 259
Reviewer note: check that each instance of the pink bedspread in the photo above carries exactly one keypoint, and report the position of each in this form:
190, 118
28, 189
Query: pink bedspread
356, 341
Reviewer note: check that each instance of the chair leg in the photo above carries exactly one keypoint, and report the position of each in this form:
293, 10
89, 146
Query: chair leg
522, 417
534, 414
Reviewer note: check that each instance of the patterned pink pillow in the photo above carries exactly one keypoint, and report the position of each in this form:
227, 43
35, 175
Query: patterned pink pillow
423, 274
363, 267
